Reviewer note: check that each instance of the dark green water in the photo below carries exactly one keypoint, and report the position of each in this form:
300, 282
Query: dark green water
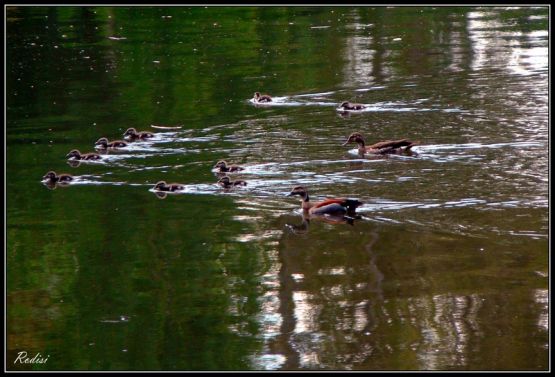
446, 270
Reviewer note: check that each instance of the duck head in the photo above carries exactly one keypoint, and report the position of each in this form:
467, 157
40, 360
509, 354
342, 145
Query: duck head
224, 181
355, 137
256, 95
102, 142
301, 191
160, 185
74, 154
50, 176
130, 132
220, 165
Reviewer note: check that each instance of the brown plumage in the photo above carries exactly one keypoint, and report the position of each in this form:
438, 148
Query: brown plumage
224, 168
103, 143
262, 97
352, 106
332, 206
382, 147
171, 187
52, 177
75, 154
225, 182
133, 134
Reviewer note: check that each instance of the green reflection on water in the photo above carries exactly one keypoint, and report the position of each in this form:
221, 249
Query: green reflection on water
109, 277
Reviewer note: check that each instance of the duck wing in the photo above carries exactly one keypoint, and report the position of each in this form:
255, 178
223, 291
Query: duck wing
392, 144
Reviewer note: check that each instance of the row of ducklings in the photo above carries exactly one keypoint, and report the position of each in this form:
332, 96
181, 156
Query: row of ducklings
131, 134
327, 206
225, 181
265, 98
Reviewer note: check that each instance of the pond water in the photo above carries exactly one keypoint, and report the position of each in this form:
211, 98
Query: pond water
446, 269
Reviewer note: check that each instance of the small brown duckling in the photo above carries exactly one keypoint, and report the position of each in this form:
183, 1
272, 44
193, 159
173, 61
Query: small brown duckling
383, 147
333, 206
224, 168
51, 177
226, 183
352, 106
132, 134
171, 187
103, 143
262, 97
75, 154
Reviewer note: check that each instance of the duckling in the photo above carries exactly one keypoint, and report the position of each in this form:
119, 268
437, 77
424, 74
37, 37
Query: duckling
226, 183
103, 143
383, 147
224, 168
132, 134
171, 187
52, 177
333, 207
262, 97
352, 106
76, 155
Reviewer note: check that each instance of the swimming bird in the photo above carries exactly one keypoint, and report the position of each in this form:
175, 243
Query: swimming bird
383, 147
52, 177
224, 168
352, 106
332, 206
171, 187
226, 183
103, 143
76, 155
132, 134
262, 97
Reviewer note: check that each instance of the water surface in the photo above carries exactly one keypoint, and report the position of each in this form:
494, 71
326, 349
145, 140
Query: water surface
447, 269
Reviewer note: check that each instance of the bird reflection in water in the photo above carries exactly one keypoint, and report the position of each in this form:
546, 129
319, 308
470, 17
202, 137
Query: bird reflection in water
335, 220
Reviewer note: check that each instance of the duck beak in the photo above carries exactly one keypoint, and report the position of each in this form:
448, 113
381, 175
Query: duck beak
345, 143
290, 194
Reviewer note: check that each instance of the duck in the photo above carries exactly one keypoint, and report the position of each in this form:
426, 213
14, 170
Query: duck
352, 106
132, 134
261, 97
103, 143
382, 147
52, 177
332, 206
224, 168
225, 182
75, 154
171, 187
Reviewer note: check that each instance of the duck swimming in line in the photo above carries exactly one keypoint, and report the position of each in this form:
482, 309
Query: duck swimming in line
332, 207
76, 155
52, 177
352, 106
132, 134
383, 147
261, 97
103, 143
226, 183
224, 168
171, 187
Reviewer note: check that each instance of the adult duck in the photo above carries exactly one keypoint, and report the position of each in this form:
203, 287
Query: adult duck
103, 143
226, 183
76, 155
133, 134
224, 168
261, 97
168, 187
352, 106
52, 177
333, 206
383, 147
